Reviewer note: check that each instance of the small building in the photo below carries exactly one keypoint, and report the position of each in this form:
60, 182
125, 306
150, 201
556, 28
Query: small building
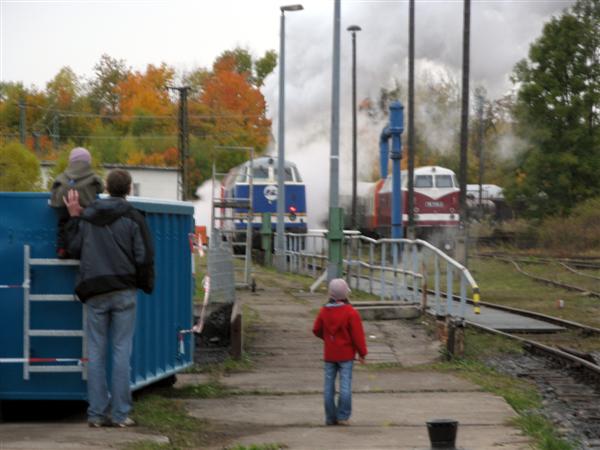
148, 181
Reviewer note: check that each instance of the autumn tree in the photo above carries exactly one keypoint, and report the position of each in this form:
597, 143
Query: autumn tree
558, 109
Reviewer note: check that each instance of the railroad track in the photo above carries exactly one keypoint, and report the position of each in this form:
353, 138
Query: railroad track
568, 378
568, 266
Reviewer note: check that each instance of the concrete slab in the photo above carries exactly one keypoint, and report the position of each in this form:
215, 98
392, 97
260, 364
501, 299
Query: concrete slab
369, 409
388, 437
70, 436
285, 380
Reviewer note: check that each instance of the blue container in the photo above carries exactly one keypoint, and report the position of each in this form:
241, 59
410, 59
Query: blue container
159, 349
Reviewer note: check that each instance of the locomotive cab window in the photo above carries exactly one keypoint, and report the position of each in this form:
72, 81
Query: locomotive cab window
288, 174
260, 173
443, 181
424, 181
297, 176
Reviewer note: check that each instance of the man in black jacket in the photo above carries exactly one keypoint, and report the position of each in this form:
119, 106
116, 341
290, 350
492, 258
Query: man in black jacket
116, 254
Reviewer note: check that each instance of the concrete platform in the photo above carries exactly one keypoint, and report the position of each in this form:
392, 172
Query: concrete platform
280, 400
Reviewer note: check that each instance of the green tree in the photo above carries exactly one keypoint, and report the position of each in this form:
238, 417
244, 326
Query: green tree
244, 64
558, 107
264, 66
104, 95
19, 169
66, 99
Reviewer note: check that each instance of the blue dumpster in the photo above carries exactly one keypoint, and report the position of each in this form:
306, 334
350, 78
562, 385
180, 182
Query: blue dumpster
42, 336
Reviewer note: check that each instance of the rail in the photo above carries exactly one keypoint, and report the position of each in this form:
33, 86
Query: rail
396, 269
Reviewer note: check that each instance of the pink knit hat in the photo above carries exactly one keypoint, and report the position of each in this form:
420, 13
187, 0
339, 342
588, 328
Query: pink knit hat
338, 289
80, 154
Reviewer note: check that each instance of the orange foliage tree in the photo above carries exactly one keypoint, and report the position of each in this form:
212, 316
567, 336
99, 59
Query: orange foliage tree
236, 107
145, 95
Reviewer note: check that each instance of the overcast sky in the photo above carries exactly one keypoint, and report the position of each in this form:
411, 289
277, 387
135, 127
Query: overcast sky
39, 37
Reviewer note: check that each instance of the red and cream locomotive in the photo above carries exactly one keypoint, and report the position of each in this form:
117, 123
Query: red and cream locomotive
436, 204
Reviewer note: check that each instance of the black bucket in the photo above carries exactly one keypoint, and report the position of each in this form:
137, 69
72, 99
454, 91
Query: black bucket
442, 433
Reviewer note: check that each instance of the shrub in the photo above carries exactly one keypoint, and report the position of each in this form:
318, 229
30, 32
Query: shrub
579, 232
19, 169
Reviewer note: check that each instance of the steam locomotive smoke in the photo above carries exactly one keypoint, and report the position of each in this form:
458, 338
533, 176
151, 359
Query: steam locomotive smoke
501, 33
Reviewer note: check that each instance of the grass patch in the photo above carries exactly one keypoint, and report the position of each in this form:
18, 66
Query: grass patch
212, 389
230, 365
379, 366
501, 283
169, 418
258, 447
147, 445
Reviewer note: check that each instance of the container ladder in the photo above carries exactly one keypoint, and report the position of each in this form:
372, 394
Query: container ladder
28, 332
223, 221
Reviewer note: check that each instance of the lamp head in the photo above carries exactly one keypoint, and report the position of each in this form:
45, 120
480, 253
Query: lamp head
296, 7
354, 28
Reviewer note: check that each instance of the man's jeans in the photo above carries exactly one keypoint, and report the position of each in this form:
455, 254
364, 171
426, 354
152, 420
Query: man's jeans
110, 314
344, 406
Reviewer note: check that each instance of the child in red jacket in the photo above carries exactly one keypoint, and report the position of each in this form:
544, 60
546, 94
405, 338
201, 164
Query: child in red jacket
340, 327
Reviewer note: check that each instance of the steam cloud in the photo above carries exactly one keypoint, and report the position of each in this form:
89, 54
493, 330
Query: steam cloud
501, 33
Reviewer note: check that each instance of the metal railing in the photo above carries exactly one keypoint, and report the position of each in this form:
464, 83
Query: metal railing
407, 270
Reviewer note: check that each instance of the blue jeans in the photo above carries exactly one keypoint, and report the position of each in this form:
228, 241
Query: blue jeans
113, 315
343, 410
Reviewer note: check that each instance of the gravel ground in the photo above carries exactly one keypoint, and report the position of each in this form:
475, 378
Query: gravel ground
571, 404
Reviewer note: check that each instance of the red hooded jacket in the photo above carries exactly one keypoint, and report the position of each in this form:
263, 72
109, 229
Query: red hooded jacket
340, 327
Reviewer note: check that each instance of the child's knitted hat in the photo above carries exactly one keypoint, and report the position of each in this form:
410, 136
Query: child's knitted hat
80, 154
338, 289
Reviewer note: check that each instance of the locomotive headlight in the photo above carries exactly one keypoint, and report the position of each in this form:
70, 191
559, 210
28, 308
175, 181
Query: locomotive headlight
451, 210
415, 209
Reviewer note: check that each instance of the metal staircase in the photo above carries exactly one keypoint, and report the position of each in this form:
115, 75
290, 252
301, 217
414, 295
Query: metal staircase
223, 222
28, 332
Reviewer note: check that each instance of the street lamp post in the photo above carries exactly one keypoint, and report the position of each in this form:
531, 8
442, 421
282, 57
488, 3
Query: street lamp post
280, 239
353, 29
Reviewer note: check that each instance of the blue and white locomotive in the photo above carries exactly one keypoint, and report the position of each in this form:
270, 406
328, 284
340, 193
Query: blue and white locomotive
236, 185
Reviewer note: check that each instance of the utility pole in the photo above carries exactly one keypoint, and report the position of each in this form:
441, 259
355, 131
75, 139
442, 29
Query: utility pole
55, 136
36, 141
22, 119
335, 233
480, 100
184, 153
354, 29
464, 134
411, 119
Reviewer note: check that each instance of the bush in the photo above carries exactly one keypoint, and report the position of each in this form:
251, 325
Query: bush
19, 169
577, 233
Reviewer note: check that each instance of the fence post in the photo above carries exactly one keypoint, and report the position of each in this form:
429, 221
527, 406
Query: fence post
266, 234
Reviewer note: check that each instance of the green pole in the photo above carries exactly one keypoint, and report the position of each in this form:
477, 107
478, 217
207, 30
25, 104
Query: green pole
266, 234
335, 236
